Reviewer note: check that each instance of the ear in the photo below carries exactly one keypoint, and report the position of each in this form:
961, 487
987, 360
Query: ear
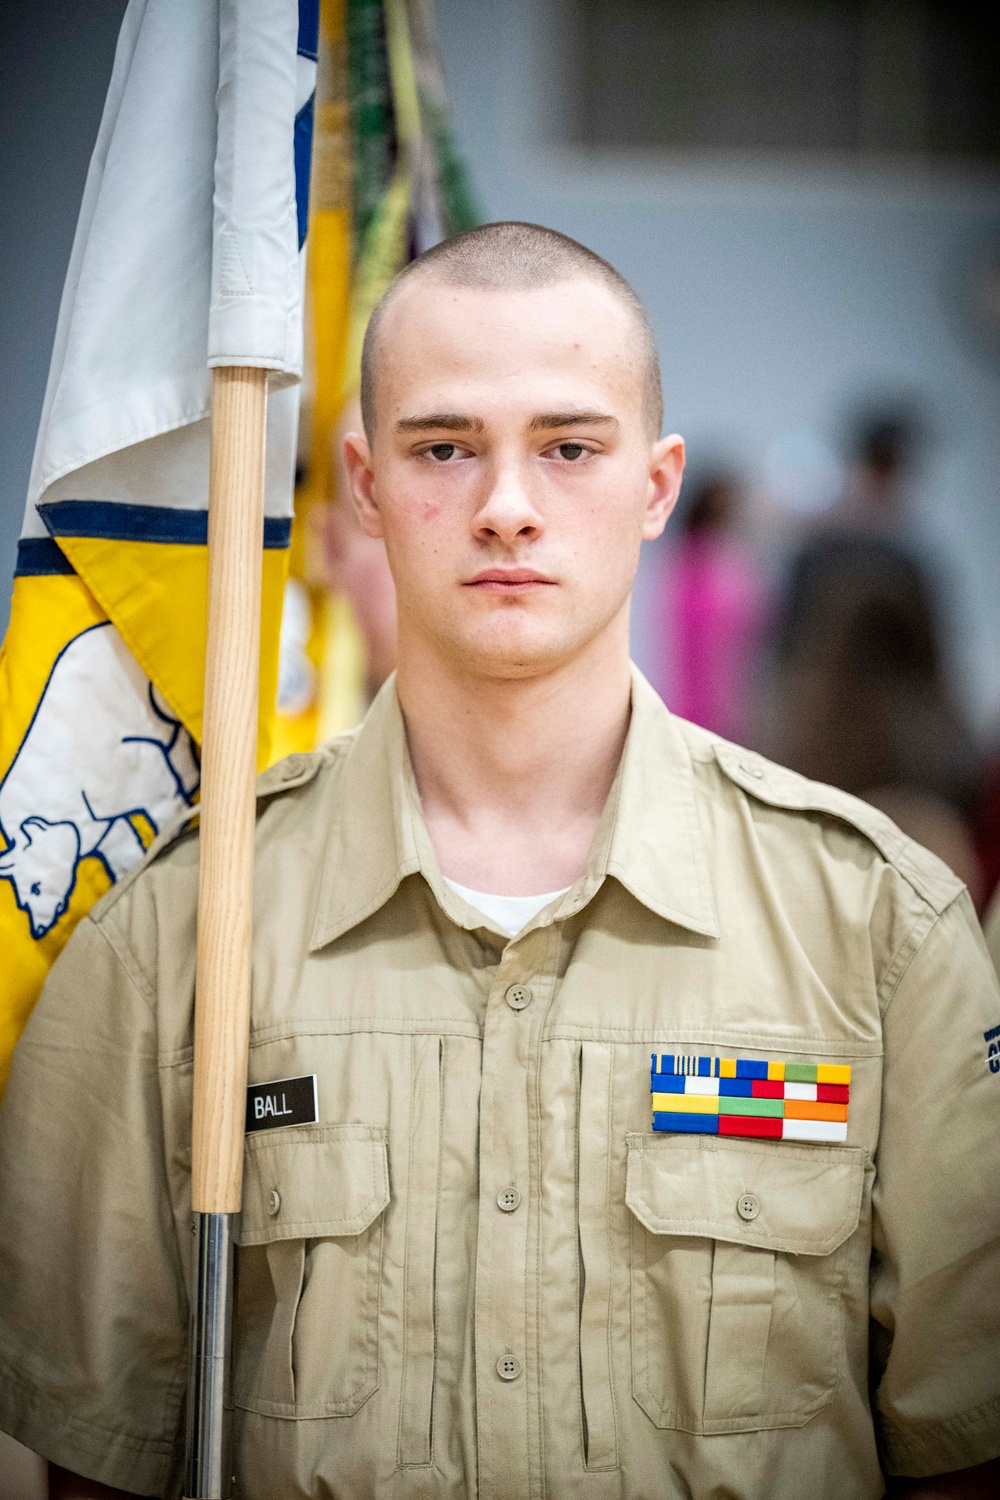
666, 470
361, 479
58, 841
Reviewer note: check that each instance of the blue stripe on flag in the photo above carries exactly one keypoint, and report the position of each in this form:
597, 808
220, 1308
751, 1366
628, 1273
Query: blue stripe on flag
666, 1083
308, 44
303, 139
144, 523
39, 557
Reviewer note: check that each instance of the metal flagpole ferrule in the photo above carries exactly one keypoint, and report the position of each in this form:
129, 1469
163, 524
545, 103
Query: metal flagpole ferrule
207, 1468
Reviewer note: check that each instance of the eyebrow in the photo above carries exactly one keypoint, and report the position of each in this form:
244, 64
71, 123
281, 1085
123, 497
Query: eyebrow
547, 420
441, 421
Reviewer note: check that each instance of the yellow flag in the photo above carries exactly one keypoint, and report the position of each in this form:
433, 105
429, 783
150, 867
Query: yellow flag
183, 257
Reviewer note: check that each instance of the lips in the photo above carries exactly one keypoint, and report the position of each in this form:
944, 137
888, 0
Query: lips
509, 580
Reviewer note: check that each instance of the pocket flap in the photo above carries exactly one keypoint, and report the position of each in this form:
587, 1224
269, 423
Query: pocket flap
312, 1181
801, 1199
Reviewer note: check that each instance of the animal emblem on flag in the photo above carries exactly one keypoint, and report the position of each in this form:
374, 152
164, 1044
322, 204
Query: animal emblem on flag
187, 255
783, 1101
67, 796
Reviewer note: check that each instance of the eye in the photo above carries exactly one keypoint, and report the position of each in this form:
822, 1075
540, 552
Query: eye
572, 451
36, 889
441, 452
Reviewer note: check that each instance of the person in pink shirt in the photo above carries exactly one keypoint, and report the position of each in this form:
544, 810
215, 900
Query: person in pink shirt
713, 615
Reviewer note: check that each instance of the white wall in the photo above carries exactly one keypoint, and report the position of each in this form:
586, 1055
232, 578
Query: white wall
780, 294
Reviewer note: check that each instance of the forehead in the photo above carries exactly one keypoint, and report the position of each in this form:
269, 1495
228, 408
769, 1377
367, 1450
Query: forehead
454, 344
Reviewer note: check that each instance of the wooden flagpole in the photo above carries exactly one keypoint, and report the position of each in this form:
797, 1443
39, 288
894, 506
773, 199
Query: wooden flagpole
225, 900
228, 778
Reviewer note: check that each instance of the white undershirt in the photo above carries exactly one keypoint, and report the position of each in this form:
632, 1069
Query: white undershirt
509, 913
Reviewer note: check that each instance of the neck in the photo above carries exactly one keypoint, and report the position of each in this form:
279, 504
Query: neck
513, 774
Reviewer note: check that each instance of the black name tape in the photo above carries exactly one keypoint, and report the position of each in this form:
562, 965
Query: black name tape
287, 1101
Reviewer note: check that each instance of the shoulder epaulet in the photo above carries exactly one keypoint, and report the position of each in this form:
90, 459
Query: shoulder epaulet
780, 787
283, 776
295, 770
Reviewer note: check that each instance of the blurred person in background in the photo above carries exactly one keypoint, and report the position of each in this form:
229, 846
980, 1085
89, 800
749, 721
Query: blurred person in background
986, 833
355, 565
886, 447
713, 613
862, 695
991, 932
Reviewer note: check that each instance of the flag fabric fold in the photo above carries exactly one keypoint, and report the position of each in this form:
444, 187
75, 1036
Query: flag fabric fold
187, 254
255, 313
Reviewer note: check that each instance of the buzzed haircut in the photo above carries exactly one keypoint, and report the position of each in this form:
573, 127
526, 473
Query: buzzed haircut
512, 256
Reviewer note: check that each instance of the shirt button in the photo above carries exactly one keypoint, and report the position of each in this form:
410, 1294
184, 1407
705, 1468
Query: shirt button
752, 768
508, 1367
518, 996
748, 1207
273, 1201
508, 1199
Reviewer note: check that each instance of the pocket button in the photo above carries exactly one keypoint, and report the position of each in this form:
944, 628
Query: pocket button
508, 1199
748, 1207
273, 1201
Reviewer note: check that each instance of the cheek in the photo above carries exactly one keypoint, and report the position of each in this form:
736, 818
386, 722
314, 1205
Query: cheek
602, 528
604, 550
427, 522
409, 516
418, 537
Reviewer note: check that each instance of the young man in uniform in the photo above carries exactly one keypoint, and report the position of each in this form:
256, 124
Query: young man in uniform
484, 1250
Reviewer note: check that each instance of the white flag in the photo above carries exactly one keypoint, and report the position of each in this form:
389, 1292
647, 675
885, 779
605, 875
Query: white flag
188, 254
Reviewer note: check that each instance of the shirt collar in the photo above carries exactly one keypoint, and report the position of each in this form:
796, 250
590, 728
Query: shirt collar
655, 844
648, 836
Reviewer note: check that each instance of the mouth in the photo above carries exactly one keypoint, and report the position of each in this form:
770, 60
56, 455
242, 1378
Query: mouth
509, 581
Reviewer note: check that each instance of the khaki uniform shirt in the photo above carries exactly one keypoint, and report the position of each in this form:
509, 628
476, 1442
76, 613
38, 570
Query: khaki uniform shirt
481, 1273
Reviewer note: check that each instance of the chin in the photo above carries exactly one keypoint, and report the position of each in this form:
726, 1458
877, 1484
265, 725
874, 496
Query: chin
516, 656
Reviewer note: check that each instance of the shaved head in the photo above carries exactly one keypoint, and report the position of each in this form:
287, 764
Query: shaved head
516, 258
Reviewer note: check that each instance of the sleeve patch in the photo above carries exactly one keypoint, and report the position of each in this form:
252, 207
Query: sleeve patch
992, 1040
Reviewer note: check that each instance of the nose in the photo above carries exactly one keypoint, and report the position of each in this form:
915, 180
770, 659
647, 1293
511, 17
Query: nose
507, 513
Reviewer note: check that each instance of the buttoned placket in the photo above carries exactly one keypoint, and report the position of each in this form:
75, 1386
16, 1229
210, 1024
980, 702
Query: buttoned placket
507, 1390
668, 874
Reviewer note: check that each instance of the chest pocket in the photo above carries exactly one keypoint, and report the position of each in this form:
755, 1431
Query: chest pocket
739, 1250
308, 1270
